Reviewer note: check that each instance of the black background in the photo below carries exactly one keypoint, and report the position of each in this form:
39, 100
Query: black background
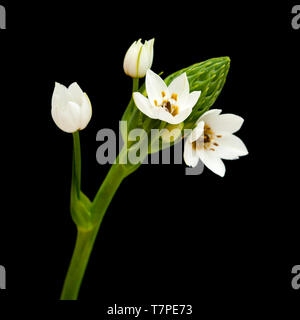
219, 243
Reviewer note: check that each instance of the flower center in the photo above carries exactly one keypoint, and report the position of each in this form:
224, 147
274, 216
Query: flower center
208, 136
169, 105
207, 139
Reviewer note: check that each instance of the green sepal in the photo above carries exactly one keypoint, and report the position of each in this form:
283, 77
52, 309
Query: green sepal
81, 212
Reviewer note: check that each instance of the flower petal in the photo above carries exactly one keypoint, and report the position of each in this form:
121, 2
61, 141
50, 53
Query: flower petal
85, 111
130, 60
190, 155
143, 104
68, 118
209, 115
190, 101
197, 132
150, 44
155, 86
227, 123
212, 162
180, 86
230, 147
75, 93
164, 115
59, 97
182, 116
146, 58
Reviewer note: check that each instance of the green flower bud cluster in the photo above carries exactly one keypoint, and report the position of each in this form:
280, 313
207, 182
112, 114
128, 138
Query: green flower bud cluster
209, 77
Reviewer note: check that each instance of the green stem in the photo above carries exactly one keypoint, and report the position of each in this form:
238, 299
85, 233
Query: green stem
84, 245
86, 238
77, 163
108, 188
135, 84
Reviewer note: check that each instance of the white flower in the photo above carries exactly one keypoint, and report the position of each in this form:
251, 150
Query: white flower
172, 104
213, 140
138, 58
71, 107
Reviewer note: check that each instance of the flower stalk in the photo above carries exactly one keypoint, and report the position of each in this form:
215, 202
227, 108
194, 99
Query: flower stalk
77, 163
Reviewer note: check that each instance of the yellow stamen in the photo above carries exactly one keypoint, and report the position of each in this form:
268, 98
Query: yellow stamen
194, 145
174, 111
174, 96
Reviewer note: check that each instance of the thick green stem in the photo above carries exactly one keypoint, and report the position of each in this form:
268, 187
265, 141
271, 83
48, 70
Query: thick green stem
84, 245
86, 238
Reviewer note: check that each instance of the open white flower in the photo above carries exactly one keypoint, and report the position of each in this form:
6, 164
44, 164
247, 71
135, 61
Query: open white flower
138, 58
71, 107
213, 140
172, 104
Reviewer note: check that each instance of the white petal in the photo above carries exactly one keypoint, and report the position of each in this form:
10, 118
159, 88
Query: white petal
182, 115
151, 45
143, 104
130, 60
212, 162
146, 58
180, 86
164, 115
68, 118
227, 123
155, 86
190, 155
59, 97
59, 102
190, 101
75, 92
144, 62
230, 147
209, 115
85, 111
197, 132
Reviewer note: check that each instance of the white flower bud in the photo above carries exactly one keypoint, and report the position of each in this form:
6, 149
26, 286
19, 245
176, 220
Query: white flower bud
71, 108
138, 59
